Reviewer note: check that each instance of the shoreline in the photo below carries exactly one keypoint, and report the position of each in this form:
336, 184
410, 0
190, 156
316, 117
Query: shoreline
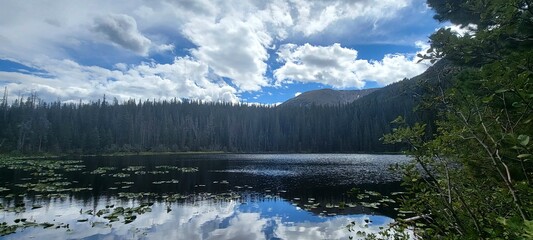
148, 153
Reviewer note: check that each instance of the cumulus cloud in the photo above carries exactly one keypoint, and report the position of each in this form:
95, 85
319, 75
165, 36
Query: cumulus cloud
315, 16
122, 30
339, 67
165, 48
232, 48
70, 81
331, 65
201, 7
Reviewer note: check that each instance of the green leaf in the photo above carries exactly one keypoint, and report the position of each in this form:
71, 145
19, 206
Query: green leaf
502, 90
525, 155
523, 139
528, 229
517, 104
487, 99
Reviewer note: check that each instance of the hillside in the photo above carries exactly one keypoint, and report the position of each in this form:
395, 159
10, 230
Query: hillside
377, 110
327, 97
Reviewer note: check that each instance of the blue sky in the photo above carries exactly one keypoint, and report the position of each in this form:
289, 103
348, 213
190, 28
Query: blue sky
212, 50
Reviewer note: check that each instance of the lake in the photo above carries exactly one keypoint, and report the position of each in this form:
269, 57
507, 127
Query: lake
198, 196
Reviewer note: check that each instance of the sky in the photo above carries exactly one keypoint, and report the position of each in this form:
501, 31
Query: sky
211, 50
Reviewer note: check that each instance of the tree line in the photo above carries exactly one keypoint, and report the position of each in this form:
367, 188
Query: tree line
30, 125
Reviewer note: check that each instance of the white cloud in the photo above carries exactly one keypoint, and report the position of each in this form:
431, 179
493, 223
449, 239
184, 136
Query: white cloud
315, 16
331, 65
328, 229
242, 226
201, 7
461, 30
339, 67
69, 81
297, 94
165, 48
121, 29
63, 28
232, 48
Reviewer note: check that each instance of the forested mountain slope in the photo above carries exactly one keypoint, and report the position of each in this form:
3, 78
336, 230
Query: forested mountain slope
404, 98
328, 97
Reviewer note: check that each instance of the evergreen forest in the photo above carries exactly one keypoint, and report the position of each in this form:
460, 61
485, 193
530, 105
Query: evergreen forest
33, 126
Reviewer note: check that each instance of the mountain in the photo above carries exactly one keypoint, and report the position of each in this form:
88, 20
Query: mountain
327, 97
406, 98
359, 125
409, 93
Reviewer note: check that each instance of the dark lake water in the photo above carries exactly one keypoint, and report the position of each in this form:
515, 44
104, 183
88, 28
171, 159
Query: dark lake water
192, 196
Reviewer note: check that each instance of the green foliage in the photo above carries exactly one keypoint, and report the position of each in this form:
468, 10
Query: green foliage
473, 178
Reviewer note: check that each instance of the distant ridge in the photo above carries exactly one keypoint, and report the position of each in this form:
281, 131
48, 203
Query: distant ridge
327, 97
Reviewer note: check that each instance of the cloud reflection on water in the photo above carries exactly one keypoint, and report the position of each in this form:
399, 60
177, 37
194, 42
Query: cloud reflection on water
204, 219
